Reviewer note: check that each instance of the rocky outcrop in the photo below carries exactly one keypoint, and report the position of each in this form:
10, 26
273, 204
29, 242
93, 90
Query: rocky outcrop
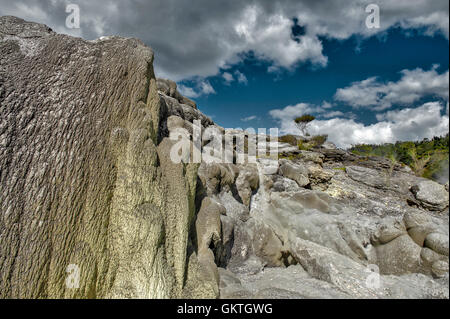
431, 195
328, 224
88, 185
294, 172
91, 205
180, 110
169, 89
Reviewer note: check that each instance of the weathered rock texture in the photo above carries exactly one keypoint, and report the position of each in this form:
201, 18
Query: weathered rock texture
85, 172
86, 179
327, 224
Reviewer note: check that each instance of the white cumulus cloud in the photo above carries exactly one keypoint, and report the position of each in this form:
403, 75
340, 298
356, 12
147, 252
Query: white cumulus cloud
201, 88
412, 86
228, 77
407, 124
241, 78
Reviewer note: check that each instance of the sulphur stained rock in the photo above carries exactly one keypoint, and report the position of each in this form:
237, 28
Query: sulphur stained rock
318, 175
400, 255
87, 182
208, 226
203, 276
172, 106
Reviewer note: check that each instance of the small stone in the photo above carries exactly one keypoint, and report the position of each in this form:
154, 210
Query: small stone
439, 268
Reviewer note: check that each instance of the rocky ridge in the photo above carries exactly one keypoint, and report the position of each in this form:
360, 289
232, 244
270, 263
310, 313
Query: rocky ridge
330, 219
87, 179
323, 223
91, 207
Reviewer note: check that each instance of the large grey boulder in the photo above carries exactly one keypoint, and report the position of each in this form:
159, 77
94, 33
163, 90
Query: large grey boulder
292, 282
298, 173
87, 183
431, 195
367, 176
360, 281
317, 175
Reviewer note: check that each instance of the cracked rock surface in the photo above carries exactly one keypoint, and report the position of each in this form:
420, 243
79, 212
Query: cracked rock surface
86, 178
87, 181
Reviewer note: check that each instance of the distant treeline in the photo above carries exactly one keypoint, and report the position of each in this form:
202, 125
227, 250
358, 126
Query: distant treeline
428, 158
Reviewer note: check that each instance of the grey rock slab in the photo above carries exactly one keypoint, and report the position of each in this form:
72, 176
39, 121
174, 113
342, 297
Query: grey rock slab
431, 195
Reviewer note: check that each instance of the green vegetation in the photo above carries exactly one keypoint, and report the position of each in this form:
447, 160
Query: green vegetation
427, 158
318, 140
302, 143
304, 146
305, 118
308, 143
303, 121
289, 139
312, 142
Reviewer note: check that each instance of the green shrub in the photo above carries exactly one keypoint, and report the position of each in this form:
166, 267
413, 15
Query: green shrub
427, 158
304, 146
303, 121
289, 139
305, 118
318, 140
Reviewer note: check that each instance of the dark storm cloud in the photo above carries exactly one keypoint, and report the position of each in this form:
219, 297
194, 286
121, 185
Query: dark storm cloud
197, 38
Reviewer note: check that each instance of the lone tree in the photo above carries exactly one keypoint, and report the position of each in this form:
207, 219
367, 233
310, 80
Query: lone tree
303, 121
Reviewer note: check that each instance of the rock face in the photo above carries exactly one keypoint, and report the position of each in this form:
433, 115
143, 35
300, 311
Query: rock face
169, 89
86, 184
328, 224
295, 172
353, 233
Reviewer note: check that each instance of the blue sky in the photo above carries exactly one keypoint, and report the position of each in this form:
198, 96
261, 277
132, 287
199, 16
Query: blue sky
259, 63
350, 60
